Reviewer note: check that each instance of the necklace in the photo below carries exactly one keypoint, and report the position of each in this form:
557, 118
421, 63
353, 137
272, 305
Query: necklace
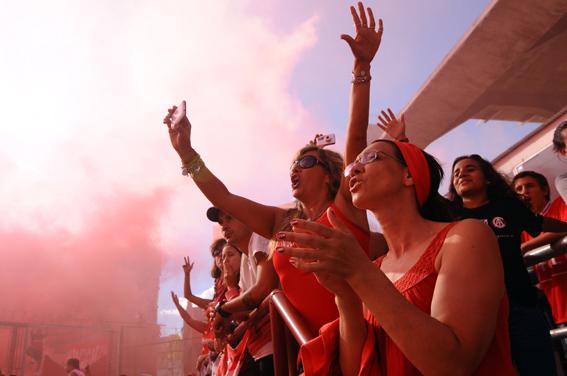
312, 219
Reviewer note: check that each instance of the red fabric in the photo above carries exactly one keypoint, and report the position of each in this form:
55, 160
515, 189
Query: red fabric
552, 274
220, 291
232, 293
418, 169
260, 335
380, 355
232, 358
313, 302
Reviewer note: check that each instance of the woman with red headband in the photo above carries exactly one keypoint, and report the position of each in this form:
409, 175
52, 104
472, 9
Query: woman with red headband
414, 310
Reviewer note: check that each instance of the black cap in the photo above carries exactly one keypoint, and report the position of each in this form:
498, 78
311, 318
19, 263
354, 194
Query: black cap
213, 214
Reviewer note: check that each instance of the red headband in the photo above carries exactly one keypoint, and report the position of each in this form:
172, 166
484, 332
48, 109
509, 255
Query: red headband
418, 169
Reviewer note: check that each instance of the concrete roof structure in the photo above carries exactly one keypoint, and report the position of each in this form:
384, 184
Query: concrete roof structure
511, 65
535, 152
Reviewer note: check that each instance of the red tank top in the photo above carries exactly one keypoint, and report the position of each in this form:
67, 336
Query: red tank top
380, 355
313, 302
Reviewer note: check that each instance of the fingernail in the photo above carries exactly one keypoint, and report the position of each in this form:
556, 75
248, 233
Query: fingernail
280, 249
280, 235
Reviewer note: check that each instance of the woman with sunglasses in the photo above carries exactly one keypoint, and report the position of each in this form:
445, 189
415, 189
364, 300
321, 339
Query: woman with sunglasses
478, 191
317, 181
414, 310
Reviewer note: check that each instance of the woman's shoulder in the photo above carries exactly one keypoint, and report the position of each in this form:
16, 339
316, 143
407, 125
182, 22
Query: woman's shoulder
469, 243
470, 233
470, 228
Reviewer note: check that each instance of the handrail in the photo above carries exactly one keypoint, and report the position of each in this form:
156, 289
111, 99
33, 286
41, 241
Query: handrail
291, 318
546, 252
289, 332
558, 333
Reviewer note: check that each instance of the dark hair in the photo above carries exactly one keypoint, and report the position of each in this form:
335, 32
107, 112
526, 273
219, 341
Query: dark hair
73, 362
436, 207
541, 180
558, 141
216, 246
334, 165
498, 188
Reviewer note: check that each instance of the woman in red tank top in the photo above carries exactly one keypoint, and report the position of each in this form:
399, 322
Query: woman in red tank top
423, 308
317, 183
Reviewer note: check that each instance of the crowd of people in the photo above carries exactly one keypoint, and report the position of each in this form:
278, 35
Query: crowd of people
443, 289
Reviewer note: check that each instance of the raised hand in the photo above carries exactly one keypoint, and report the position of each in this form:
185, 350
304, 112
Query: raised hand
367, 39
187, 265
392, 126
179, 133
175, 299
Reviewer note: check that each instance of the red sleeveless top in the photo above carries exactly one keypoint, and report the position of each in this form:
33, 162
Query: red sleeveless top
380, 355
313, 302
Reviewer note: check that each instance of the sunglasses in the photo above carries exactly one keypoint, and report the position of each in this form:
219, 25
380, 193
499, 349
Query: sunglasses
369, 157
307, 161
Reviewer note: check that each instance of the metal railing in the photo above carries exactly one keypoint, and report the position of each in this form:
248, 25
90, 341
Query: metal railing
546, 252
289, 332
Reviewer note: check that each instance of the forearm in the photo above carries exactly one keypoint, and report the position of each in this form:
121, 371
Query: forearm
542, 240
553, 225
356, 139
352, 328
199, 326
246, 301
187, 293
257, 217
429, 344
199, 302
266, 282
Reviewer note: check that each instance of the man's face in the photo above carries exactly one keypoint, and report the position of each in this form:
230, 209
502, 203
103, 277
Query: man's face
232, 229
531, 192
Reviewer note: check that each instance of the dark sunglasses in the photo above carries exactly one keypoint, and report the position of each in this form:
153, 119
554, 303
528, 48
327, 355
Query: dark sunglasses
307, 161
369, 157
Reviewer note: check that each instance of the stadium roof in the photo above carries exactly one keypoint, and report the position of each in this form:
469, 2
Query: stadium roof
511, 65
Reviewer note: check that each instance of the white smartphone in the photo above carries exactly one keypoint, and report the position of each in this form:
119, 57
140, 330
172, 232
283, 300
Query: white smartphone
325, 139
179, 114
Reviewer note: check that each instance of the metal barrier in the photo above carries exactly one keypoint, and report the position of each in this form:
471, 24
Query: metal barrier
546, 252
559, 333
289, 332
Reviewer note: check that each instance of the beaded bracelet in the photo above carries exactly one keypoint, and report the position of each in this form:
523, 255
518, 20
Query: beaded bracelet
361, 78
193, 167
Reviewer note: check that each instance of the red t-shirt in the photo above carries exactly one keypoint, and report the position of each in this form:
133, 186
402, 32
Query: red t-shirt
552, 274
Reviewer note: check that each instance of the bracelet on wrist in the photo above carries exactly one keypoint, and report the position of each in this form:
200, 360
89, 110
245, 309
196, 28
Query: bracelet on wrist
193, 167
360, 77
